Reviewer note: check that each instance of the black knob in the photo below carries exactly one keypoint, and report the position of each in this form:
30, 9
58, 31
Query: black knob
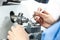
31, 37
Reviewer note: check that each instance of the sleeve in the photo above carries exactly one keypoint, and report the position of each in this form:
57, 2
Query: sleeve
53, 33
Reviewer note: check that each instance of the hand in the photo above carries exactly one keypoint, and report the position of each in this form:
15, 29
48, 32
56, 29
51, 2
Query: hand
44, 18
17, 33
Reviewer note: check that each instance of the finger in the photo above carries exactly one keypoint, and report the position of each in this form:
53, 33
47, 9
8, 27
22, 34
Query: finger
43, 15
36, 13
45, 12
17, 29
40, 20
13, 28
9, 37
10, 33
36, 18
39, 9
40, 14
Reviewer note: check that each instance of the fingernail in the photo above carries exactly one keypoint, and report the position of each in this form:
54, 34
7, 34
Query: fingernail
8, 36
9, 32
12, 27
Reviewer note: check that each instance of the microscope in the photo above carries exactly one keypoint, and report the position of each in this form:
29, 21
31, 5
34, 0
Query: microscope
32, 28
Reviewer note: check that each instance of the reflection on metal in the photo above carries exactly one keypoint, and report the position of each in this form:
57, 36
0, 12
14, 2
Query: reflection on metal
32, 28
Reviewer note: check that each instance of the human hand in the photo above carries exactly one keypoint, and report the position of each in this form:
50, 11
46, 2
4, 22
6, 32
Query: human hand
17, 33
43, 18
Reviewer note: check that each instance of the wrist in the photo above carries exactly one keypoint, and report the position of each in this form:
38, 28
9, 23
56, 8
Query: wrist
55, 21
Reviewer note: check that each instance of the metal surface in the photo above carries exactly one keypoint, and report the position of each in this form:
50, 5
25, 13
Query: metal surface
32, 28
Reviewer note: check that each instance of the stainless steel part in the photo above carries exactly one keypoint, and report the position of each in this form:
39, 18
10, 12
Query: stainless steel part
32, 28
